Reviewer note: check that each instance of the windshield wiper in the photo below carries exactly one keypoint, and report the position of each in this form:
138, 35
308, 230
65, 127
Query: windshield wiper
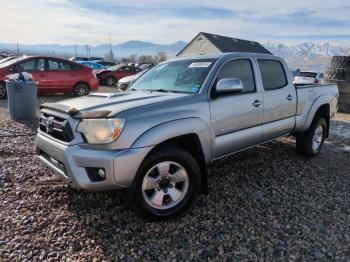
160, 90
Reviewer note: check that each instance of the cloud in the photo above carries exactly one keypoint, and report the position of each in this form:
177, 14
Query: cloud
91, 21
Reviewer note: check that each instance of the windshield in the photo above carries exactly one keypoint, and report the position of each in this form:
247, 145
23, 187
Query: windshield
12, 61
114, 68
307, 74
185, 76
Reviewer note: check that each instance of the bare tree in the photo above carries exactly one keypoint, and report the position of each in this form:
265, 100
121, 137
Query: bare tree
145, 59
160, 57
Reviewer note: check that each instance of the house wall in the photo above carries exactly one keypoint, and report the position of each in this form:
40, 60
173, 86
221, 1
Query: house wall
199, 46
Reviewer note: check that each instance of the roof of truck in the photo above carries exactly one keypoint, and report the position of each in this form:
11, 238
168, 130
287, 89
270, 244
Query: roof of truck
230, 54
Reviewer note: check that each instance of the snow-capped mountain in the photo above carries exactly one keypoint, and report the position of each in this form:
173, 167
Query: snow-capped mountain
308, 55
308, 49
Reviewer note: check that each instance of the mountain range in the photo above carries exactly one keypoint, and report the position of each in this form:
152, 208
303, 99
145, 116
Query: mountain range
307, 56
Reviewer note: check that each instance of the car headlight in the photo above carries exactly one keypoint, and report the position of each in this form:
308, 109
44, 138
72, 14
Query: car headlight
101, 131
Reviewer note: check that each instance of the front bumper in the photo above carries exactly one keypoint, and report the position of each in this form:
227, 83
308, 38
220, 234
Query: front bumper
70, 163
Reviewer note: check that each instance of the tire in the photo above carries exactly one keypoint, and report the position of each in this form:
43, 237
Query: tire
3, 93
153, 195
334, 74
341, 62
81, 89
111, 81
310, 143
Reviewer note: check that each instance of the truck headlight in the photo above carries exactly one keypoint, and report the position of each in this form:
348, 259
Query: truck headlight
101, 131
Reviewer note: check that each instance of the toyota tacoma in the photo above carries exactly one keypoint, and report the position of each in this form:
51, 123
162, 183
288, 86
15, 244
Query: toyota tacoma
157, 138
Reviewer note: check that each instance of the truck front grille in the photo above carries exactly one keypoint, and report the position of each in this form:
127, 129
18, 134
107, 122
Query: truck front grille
56, 127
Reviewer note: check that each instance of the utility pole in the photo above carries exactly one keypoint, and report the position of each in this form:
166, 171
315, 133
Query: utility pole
75, 50
110, 44
87, 50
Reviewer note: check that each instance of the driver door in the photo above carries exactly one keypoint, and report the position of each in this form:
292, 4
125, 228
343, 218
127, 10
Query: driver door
237, 118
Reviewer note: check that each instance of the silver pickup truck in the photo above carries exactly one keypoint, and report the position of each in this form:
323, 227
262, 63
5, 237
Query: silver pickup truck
156, 139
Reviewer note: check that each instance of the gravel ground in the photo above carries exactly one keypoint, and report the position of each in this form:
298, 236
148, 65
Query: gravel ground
265, 203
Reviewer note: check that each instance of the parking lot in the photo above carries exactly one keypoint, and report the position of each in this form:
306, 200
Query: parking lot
265, 203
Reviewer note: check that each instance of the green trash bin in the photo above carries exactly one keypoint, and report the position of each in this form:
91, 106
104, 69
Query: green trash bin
22, 99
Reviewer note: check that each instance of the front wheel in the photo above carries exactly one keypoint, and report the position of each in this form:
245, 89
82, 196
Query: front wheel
2, 91
310, 143
111, 81
166, 184
81, 89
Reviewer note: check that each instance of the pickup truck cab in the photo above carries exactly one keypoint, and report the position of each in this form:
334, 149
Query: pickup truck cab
157, 138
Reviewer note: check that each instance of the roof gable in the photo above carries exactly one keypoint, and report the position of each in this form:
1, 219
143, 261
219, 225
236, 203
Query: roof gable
228, 44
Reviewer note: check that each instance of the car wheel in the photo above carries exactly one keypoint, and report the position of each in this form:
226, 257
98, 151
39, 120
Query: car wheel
310, 143
3, 92
166, 184
111, 81
81, 89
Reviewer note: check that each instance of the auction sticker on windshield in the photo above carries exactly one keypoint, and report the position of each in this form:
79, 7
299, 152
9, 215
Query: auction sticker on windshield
200, 64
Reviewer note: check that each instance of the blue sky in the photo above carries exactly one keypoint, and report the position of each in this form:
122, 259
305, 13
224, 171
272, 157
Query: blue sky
91, 21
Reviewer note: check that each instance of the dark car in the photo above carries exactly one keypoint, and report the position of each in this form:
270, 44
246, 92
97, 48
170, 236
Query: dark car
107, 63
112, 74
53, 75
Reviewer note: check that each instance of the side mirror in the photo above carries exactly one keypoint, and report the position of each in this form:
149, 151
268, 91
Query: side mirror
229, 86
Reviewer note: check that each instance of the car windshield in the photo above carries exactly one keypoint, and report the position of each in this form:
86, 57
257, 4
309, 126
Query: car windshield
184, 76
114, 68
307, 74
10, 62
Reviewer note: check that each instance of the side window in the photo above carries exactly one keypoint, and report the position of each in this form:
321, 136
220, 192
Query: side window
59, 65
137, 69
272, 74
241, 69
33, 65
122, 69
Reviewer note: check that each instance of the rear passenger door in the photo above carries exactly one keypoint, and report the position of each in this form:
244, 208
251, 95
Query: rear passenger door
237, 118
61, 75
279, 99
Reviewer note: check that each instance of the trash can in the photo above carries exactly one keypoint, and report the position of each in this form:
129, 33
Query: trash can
22, 99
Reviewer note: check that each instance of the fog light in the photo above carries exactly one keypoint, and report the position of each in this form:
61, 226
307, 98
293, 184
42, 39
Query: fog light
96, 174
102, 173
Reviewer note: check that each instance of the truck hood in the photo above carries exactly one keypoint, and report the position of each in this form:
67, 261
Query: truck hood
128, 79
108, 104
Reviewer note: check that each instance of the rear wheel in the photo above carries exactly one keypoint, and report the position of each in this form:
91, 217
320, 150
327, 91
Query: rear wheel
81, 89
3, 92
111, 81
166, 184
310, 143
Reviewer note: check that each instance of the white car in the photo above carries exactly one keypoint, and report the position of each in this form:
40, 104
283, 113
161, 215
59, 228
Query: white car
304, 77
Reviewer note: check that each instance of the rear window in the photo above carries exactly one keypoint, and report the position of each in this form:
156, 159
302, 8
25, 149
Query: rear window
307, 74
272, 74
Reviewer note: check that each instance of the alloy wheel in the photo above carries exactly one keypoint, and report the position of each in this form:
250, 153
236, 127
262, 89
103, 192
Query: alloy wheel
81, 90
165, 185
317, 138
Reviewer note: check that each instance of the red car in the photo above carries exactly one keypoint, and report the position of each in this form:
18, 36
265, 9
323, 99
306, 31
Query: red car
54, 75
112, 75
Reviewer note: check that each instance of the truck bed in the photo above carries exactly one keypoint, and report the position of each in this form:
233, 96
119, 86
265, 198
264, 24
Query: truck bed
308, 97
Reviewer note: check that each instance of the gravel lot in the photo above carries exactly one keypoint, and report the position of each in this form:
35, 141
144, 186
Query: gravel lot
265, 203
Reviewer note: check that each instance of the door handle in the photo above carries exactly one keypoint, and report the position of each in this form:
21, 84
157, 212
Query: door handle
289, 97
257, 103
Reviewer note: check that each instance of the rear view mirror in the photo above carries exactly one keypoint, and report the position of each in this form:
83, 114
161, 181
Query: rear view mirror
229, 86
